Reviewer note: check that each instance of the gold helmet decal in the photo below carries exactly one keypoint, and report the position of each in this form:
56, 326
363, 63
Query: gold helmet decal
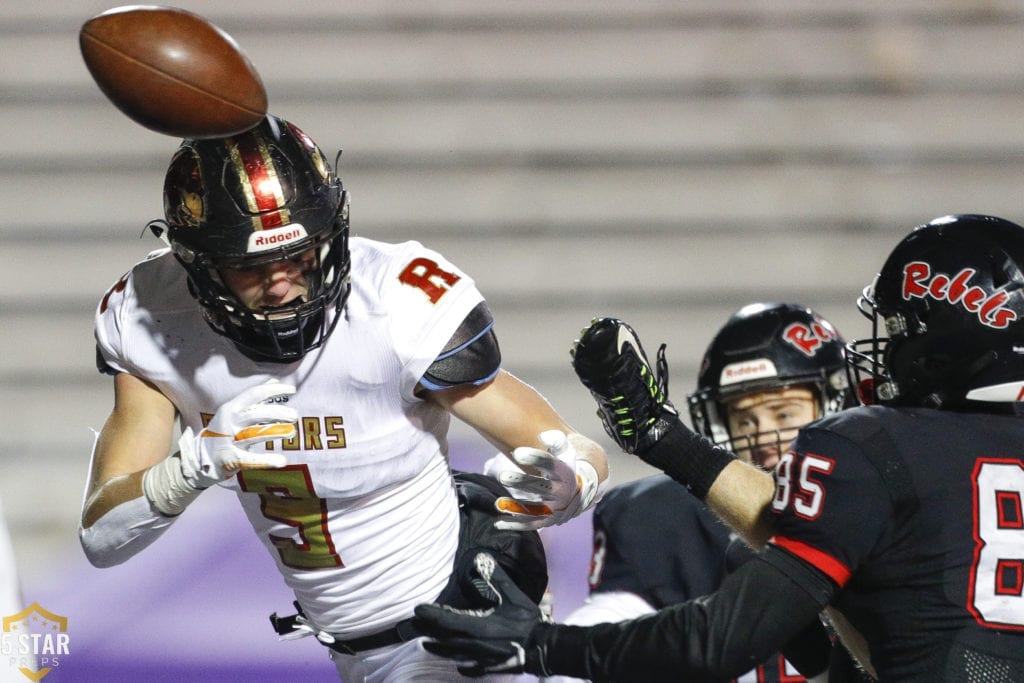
317, 157
185, 205
259, 173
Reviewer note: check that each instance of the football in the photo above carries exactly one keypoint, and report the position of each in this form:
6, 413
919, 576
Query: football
173, 71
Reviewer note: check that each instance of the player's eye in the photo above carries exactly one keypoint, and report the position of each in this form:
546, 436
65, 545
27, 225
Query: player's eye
746, 424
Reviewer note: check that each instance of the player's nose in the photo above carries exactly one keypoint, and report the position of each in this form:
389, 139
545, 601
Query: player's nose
278, 277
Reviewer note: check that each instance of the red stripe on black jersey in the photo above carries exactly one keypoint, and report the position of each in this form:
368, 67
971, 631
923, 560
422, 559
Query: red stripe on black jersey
836, 570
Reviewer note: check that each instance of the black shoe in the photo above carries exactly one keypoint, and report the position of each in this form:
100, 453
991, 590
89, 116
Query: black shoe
630, 395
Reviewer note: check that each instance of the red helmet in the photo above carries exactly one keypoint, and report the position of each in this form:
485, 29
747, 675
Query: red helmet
244, 201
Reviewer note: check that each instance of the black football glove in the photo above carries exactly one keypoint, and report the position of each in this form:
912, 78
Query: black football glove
631, 395
632, 402
500, 639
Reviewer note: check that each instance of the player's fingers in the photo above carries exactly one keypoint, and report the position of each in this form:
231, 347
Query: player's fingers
266, 412
510, 525
552, 473
258, 461
525, 482
554, 440
525, 524
450, 648
264, 392
515, 507
438, 621
248, 436
538, 461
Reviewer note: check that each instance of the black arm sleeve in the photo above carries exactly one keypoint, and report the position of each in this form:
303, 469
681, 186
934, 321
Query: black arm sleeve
472, 355
689, 458
810, 650
758, 610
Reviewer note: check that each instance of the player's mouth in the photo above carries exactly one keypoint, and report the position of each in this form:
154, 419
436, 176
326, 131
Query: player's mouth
765, 458
281, 311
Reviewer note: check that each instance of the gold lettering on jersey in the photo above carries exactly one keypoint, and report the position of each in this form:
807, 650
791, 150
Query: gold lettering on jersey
428, 277
335, 431
287, 495
311, 432
315, 433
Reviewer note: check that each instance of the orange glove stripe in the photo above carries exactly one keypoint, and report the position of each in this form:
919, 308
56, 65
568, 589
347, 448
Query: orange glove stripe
276, 430
509, 505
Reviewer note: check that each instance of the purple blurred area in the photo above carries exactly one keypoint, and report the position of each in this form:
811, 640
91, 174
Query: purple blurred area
194, 606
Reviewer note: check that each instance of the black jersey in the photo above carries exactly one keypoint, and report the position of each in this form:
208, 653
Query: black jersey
654, 539
916, 516
909, 521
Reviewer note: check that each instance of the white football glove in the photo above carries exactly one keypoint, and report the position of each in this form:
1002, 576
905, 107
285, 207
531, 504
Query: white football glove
221, 449
552, 486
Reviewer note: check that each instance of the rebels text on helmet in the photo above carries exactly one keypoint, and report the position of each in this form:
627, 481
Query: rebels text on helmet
919, 282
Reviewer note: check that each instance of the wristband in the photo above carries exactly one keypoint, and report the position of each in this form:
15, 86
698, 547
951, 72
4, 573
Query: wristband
592, 489
165, 486
692, 460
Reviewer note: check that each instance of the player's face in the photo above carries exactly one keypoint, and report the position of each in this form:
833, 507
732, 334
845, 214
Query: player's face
762, 424
271, 285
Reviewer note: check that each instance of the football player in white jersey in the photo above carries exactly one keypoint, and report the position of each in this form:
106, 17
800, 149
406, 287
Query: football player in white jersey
315, 374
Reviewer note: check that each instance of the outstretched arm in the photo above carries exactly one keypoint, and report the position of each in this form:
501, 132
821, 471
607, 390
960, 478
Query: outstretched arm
632, 399
517, 419
758, 609
740, 497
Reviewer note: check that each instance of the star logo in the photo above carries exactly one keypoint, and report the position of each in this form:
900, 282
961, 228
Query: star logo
34, 640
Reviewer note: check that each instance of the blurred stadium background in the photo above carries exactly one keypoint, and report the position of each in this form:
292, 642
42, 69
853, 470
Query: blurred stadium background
665, 162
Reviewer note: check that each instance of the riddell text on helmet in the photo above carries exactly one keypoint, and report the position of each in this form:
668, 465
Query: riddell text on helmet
919, 282
275, 237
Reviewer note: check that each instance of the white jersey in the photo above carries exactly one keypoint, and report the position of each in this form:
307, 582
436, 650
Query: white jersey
363, 521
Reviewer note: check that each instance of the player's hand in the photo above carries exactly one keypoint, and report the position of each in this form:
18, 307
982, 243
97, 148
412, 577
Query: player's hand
500, 639
549, 487
221, 450
631, 394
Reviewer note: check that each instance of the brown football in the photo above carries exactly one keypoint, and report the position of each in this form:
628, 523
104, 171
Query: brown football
173, 71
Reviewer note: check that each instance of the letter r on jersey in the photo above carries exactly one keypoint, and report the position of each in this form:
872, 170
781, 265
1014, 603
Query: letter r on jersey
428, 277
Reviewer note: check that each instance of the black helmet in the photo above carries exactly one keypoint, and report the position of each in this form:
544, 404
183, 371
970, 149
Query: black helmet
949, 302
764, 347
241, 202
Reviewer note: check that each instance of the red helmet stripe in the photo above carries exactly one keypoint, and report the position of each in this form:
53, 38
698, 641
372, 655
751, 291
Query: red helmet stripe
260, 185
